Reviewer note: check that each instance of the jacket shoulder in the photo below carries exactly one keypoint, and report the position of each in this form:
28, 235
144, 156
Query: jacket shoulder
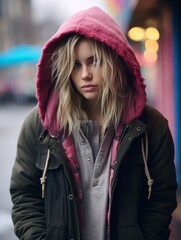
32, 123
151, 116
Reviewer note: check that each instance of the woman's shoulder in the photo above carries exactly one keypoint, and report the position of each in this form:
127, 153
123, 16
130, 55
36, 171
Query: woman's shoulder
157, 128
32, 122
153, 117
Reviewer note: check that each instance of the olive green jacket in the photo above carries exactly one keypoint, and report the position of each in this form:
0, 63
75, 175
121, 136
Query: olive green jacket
133, 216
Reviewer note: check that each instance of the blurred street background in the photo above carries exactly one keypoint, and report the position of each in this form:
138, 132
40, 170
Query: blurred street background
153, 29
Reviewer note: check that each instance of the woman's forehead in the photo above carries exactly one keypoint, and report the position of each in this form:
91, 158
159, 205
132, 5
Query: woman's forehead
83, 50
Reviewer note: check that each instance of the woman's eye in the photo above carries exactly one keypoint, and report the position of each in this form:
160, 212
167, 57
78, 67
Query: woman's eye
76, 65
93, 61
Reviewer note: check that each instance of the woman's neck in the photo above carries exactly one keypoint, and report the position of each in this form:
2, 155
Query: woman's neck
93, 110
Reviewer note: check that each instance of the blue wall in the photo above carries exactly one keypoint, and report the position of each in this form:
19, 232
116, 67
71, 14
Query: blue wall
177, 85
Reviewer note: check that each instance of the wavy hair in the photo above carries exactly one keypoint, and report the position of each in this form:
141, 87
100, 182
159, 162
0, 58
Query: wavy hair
115, 89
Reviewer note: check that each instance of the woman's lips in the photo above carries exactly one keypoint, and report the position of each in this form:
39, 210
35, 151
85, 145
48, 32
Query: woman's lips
89, 88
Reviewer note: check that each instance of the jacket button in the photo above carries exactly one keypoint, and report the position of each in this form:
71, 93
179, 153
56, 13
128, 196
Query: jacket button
83, 141
138, 129
70, 196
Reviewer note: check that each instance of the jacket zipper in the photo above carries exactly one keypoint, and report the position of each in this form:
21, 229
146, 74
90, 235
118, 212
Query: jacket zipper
124, 151
71, 181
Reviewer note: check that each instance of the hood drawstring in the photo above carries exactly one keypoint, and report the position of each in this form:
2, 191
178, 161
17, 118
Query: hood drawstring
43, 178
144, 149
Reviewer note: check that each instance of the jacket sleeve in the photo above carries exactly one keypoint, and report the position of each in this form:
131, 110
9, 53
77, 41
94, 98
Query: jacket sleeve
28, 208
157, 213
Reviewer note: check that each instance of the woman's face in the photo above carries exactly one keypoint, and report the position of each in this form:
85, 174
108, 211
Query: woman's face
85, 74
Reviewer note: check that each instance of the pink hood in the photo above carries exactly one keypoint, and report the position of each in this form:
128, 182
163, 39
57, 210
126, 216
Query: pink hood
96, 24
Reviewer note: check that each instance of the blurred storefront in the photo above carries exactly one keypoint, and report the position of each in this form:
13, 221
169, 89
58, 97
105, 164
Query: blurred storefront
152, 28
17, 68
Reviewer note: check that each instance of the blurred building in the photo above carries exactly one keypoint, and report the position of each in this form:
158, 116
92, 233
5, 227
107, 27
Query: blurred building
17, 24
19, 30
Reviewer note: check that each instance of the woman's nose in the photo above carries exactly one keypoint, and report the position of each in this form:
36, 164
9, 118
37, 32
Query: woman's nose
86, 73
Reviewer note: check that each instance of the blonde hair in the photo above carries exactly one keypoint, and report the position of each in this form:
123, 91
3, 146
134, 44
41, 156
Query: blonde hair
115, 90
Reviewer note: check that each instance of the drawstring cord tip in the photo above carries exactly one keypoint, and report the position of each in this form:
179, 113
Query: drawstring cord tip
43, 181
144, 149
150, 183
43, 178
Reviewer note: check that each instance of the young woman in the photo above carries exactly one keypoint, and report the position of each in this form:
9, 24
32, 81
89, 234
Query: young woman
94, 162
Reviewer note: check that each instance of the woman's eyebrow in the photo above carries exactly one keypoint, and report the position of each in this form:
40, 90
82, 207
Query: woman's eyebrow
87, 59
90, 58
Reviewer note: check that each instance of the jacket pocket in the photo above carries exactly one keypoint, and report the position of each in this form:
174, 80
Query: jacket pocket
131, 176
56, 232
130, 233
136, 159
